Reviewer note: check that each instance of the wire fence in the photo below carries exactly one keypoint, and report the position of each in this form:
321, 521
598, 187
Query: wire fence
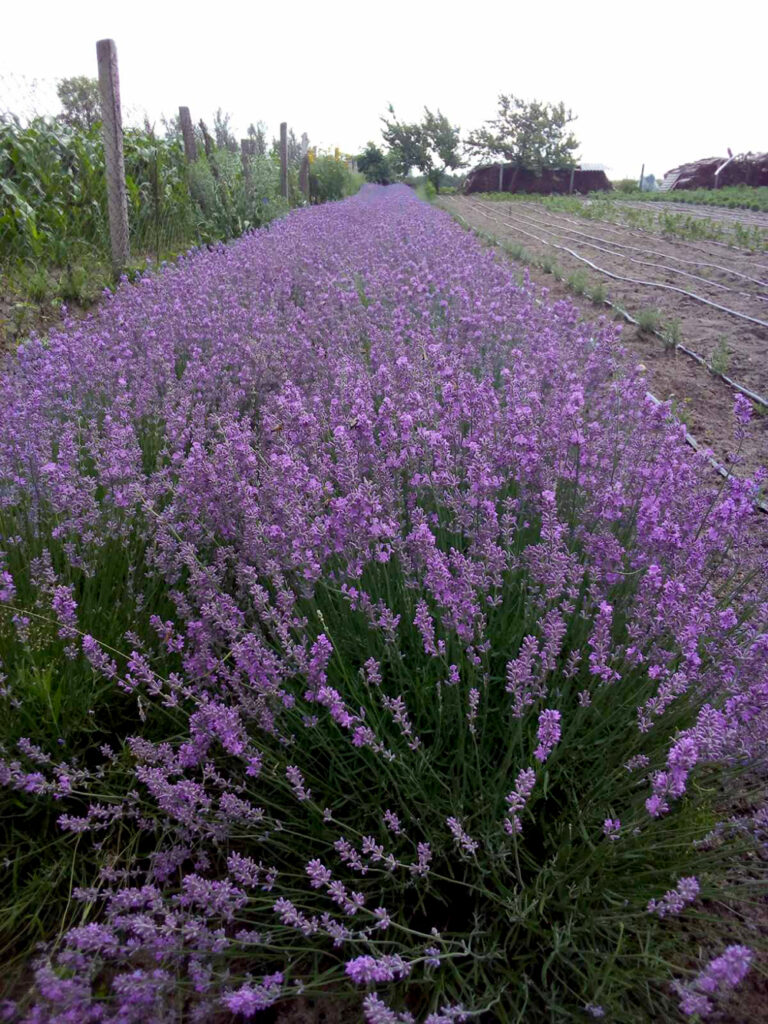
55, 182
92, 187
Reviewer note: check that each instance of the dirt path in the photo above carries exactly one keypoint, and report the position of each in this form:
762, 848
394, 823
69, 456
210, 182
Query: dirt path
715, 274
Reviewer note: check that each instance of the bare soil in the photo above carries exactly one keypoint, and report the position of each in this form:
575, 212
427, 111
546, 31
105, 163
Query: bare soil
732, 278
724, 214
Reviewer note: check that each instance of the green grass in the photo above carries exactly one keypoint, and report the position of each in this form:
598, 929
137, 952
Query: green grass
734, 197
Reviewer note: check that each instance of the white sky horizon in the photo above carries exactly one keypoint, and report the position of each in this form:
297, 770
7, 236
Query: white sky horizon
658, 86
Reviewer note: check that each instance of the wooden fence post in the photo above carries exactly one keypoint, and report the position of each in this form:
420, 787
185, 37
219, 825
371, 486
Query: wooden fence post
642, 175
284, 160
112, 128
207, 140
188, 132
573, 175
304, 177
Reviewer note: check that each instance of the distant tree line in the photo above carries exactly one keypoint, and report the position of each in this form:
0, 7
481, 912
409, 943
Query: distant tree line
531, 135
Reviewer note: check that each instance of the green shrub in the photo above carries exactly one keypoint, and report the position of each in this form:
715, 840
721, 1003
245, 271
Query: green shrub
721, 357
330, 179
425, 189
374, 165
673, 335
578, 282
648, 320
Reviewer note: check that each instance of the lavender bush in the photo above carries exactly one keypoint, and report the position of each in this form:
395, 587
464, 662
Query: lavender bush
367, 631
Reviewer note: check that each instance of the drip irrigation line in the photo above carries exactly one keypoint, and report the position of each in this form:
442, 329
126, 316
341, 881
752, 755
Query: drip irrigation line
759, 399
716, 373
557, 230
655, 252
678, 347
631, 280
694, 355
689, 438
693, 246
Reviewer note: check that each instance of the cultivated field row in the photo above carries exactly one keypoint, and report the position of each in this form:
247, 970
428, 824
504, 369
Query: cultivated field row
690, 297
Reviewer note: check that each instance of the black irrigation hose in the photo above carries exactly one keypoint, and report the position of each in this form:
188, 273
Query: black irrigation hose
630, 280
682, 348
689, 438
693, 245
679, 242
694, 355
557, 229
654, 252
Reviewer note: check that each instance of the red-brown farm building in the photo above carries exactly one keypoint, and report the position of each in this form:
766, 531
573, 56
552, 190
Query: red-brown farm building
561, 181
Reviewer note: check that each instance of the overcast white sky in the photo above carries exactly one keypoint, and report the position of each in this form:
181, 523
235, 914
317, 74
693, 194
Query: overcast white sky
654, 83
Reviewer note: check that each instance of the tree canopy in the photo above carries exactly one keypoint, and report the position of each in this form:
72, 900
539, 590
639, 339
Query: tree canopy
432, 145
374, 164
532, 136
79, 96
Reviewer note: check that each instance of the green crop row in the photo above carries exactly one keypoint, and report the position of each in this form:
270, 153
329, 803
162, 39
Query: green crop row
601, 207
735, 197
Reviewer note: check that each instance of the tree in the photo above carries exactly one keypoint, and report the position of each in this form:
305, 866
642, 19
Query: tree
80, 98
533, 136
374, 165
406, 145
432, 146
443, 142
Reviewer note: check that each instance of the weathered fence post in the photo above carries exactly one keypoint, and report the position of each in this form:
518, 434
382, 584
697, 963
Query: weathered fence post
304, 176
112, 128
207, 140
188, 132
304, 167
284, 160
642, 175
570, 187
501, 177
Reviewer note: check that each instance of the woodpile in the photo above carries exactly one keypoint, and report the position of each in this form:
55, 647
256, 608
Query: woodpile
746, 169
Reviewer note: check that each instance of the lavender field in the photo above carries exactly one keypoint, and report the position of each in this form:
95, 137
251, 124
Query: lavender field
367, 633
